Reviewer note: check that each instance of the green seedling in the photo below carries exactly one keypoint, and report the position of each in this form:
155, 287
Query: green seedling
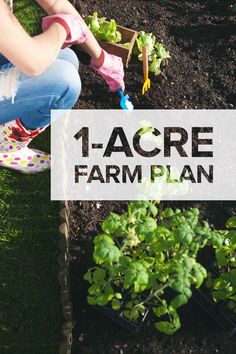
102, 29
145, 40
223, 287
157, 53
142, 263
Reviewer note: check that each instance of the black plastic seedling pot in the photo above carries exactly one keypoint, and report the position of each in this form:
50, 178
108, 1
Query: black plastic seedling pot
131, 326
218, 311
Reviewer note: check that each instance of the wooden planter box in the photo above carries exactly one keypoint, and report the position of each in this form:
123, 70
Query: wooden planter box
118, 49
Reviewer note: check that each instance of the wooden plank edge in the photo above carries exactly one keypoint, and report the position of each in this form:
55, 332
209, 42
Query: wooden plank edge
63, 278
131, 47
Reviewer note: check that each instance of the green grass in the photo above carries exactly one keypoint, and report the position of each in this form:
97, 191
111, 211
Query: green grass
29, 14
30, 314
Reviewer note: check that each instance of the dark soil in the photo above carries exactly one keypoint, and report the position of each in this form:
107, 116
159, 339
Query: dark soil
201, 36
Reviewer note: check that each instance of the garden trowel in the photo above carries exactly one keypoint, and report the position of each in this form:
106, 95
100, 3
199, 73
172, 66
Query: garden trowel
125, 102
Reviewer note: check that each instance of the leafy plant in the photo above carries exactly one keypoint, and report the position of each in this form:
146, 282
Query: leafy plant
223, 286
142, 263
145, 40
157, 53
155, 66
102, 29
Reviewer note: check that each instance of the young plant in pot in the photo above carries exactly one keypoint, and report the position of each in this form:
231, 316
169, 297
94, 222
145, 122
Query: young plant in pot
147, 260
221, 281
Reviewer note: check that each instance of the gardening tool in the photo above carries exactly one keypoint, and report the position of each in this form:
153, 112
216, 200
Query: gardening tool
125, 102
147, 82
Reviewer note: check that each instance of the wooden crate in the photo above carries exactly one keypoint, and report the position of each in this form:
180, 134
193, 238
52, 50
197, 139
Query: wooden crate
119, 49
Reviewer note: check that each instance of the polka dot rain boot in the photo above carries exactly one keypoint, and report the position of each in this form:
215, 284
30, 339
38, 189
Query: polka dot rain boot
14, 151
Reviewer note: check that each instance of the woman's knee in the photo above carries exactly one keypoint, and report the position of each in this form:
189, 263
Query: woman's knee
58, 87
69, 55
70, 85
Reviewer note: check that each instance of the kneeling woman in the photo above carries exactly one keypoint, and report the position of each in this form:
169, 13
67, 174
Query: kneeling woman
36, 75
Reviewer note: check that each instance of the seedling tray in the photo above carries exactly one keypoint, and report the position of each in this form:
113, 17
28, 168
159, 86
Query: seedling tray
227, 313
217, 311
132, 327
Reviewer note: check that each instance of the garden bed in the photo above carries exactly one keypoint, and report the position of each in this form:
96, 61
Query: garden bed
94, 333
200, 36
201, 74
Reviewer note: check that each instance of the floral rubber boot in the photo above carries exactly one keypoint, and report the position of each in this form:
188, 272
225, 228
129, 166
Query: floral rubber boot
14, 151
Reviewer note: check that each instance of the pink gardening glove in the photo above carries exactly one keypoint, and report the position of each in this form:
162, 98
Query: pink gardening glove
112, 71
75, 28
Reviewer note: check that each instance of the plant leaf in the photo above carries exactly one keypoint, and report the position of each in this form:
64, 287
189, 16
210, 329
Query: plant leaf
115, 304
99, 275
166, 327
111, 223
137, 276
179, 301
231, 222
91, 300
105, 250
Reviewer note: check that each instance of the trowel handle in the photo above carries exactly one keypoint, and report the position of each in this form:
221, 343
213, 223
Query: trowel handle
120, 92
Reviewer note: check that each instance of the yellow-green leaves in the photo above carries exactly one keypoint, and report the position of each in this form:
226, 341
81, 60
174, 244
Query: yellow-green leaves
145, 40
157, 53
137, 276
115, 304
231, 223
167, 213
184, 234
105, 250
99, 275
143, 256
222, 283
111, 223
169, 327
179, 301
103, 29
199, 274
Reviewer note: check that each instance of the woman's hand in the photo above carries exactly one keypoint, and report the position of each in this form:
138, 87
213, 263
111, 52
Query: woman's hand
111, 68
75, 28
53, 7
